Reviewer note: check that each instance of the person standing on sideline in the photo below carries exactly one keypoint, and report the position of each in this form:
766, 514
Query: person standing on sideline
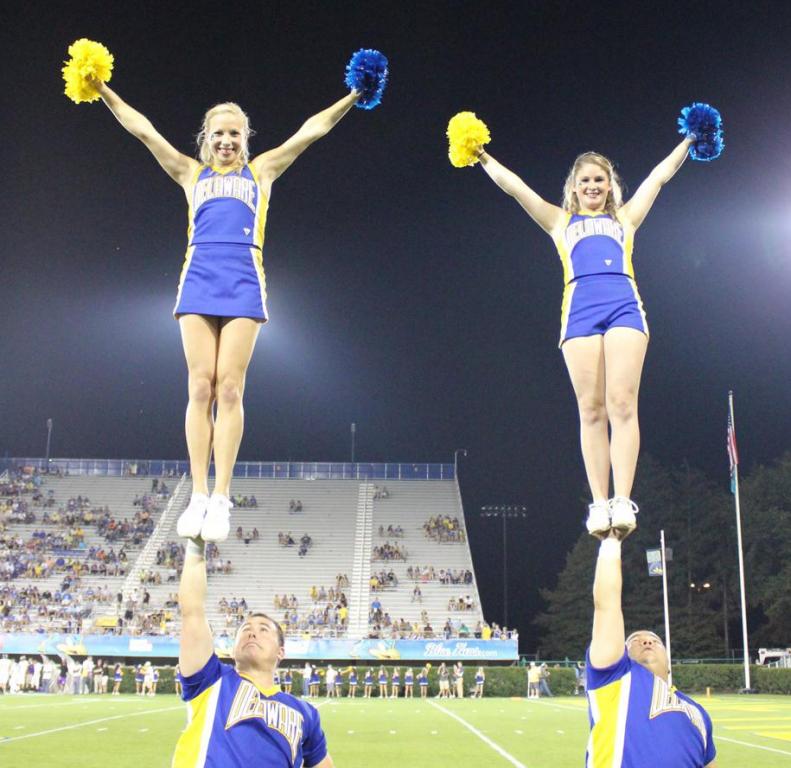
458, 680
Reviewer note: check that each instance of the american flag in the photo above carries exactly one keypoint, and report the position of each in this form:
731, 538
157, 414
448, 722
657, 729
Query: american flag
733, 453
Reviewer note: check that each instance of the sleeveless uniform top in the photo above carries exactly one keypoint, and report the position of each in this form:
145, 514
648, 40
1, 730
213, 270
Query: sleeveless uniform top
593, 243
227, 208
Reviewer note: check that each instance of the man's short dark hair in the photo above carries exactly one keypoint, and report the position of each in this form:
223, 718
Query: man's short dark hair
281, 638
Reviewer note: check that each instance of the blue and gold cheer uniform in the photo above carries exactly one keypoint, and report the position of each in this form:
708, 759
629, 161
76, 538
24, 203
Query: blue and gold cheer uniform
223, 272
638, 721
231, 722
600, 291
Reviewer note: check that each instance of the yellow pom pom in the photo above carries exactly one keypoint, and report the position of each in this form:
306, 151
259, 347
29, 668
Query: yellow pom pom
467, 135
88, 60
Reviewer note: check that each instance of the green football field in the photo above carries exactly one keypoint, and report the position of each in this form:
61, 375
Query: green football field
132, 732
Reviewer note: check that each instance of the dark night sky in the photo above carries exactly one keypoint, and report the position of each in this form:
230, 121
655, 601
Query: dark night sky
405, 295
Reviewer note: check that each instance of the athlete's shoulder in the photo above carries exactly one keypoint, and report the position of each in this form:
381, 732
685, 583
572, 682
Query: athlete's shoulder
598, 677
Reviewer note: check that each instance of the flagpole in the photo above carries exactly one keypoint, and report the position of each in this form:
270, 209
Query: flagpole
732, 438
667, 610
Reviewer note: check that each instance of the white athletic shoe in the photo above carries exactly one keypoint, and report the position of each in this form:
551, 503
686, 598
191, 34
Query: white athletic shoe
598, 522
622, 515
217, 523
191, 520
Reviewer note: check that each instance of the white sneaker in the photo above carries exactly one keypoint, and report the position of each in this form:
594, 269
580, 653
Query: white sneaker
191, 519
217, 523
622, 514
598, 522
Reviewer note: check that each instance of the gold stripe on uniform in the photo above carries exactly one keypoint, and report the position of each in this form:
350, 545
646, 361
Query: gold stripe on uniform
193, 743
609, 706
183, 276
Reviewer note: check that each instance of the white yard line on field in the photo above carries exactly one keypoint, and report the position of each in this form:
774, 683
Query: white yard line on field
754, 746
52, 701
89, 722
582, 710
485, 739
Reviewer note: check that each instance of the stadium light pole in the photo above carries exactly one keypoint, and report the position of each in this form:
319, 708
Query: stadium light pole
504, 511
456, 461
49, 440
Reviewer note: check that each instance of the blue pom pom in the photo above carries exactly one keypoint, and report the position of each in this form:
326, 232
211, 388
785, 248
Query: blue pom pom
367, 73
705, 122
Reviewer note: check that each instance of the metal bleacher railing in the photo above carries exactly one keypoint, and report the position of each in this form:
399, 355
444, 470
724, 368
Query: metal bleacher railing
283, 470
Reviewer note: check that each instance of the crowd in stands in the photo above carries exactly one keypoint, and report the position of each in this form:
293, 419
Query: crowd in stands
30, 609
443, 575
30, 564
294, 506
389, 551
381, 493
233, 609
382, 626
328, 616
444, 528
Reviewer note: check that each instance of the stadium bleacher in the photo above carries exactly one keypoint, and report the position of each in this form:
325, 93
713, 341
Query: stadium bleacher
342, 517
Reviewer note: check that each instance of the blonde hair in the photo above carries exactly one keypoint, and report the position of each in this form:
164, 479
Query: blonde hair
614, 197
204, 150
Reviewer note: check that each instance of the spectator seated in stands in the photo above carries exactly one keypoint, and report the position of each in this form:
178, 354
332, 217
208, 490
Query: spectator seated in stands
393, 531
381, 493
464, 603
305, 543
285, 539
389, 551
461, 576
294, 506
341, 581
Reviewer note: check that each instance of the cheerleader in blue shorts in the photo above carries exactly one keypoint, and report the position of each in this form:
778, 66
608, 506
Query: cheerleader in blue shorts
395, 683
352, 682
422, 681
287, 681
118, 676
409, 682
603, 334
480, 679
315, 681
368, 682
382, 683
221, 300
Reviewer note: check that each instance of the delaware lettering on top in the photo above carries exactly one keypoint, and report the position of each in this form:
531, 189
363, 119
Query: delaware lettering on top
664, 700
237, 187
247, 704
583, 228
